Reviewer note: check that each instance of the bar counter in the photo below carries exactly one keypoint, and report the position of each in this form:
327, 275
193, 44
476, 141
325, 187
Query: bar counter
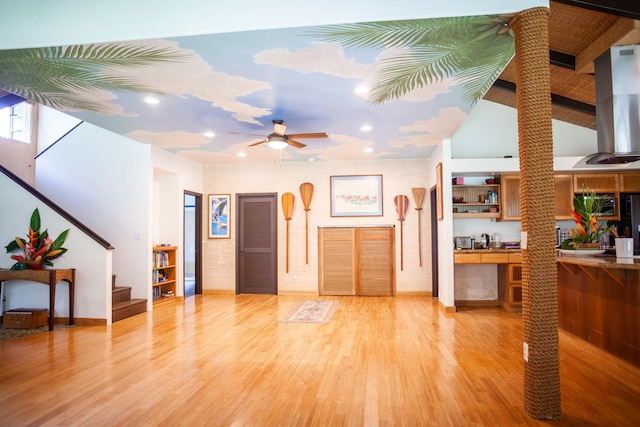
599, 301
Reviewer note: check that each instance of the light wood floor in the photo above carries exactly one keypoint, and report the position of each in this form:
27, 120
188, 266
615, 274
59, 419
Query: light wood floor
227, 361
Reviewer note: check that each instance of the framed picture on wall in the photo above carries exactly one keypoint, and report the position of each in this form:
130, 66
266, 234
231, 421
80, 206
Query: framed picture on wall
219, 214
356, 195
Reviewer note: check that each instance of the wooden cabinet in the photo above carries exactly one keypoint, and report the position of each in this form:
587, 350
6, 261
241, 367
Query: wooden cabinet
510, 284
563, 194
596, 182
163, 273
510, 197
481, 257
471, 206
356, 260
630, 182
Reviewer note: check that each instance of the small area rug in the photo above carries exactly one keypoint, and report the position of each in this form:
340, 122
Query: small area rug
311, 312
7, 334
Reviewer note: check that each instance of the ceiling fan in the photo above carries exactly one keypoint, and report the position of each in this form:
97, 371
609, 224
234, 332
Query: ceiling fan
279, 140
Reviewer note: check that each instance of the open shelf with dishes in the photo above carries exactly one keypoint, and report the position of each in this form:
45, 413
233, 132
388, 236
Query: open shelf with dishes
476, 200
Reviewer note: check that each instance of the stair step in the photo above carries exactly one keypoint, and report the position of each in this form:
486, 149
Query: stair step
124, 309
120, 294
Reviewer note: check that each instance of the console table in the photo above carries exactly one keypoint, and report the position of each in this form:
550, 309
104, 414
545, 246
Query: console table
47, 277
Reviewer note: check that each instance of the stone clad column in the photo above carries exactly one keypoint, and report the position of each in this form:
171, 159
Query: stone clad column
537, 206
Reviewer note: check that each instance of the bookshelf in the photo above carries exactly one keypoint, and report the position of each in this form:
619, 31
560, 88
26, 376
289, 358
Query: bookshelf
163, 273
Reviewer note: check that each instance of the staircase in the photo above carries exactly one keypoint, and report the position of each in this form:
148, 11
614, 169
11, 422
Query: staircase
122, 306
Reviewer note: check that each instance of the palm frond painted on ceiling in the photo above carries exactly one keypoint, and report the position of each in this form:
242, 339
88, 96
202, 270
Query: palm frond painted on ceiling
436, 49
58, 76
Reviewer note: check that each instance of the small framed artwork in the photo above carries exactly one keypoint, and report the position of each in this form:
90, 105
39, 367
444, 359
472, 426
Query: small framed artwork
439, 198
356, 195
219, 214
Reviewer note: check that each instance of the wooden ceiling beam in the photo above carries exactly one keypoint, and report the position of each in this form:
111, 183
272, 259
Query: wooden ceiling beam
623, 32
556, 99
626, 8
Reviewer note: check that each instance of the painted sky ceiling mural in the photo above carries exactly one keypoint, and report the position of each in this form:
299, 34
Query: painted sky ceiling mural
424, 77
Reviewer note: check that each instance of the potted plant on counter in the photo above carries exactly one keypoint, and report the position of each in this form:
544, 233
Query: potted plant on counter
587, 207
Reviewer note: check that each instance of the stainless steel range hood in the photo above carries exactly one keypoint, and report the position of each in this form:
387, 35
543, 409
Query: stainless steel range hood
617, 76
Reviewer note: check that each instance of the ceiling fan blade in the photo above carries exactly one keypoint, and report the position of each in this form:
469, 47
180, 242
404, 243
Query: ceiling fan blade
295, 143
308, 135
279, 129
249, 134
258, 143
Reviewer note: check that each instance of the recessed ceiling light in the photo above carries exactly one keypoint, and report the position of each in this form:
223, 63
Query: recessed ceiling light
242, 154
368, 150
311, 159
365, 128
209, 134
151, 100
362, 89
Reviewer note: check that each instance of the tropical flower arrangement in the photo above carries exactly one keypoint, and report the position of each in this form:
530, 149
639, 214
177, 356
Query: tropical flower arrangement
586, 209
38, 249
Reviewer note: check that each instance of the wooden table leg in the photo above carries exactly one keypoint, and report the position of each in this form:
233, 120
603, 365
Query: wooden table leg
72, 294
52, 303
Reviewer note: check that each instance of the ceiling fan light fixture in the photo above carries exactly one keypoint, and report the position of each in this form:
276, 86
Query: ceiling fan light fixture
277, 142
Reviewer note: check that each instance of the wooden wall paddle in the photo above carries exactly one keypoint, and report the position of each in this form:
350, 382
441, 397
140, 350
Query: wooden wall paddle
418, 197
287, 209
306, 192
402, 202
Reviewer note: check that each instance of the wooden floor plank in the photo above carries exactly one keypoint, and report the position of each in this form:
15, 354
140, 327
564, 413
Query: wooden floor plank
227, 360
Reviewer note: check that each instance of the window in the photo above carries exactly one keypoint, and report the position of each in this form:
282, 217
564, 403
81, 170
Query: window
15, 122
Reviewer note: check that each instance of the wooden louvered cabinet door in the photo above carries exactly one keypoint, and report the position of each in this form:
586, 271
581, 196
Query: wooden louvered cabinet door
376, 255
356, 261
336, 261
564, 196
510, 197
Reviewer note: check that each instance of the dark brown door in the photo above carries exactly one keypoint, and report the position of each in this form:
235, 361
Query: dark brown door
257, 251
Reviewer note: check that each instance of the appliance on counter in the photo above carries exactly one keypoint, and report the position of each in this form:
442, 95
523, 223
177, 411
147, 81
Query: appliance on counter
630, 218
464, 243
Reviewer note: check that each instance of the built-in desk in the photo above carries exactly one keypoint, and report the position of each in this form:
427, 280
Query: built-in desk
599, 301
509, 263
47, 277
487, 256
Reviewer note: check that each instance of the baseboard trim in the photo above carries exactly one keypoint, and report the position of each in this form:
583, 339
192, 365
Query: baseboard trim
82, 321
477, 303
446, 308
428, 294
218, 292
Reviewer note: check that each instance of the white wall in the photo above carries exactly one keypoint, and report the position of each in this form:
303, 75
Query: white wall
103, 180
91, 261
52, 125
172, 176
17, 157
399, 176
491, 131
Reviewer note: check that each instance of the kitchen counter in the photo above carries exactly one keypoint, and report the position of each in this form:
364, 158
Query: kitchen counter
497, 251
598, 302
606, 262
